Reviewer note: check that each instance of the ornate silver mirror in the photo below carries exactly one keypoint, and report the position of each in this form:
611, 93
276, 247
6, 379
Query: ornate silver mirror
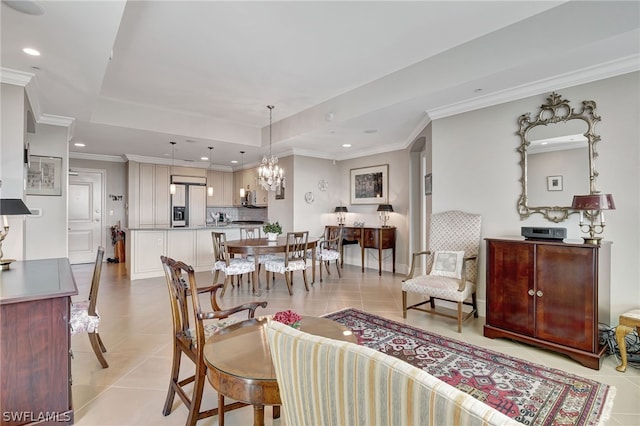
557, 156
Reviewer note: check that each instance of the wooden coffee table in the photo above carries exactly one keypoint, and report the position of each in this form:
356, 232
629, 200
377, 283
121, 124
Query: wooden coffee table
239, 362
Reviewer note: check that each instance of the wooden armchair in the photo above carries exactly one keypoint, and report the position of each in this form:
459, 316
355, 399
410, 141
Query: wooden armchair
191, 328
454, 243
84, 315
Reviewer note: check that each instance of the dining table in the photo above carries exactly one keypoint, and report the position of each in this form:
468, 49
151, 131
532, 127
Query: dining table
258, 246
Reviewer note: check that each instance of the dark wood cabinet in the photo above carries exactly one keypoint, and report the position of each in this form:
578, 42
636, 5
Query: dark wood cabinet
379, 238
35, 362
549, 294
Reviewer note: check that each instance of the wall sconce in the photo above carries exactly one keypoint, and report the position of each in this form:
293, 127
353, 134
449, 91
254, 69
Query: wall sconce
341, 213
9, 207
594, 205
383, 213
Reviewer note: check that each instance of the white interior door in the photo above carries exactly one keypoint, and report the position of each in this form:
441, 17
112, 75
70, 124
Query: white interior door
86, 231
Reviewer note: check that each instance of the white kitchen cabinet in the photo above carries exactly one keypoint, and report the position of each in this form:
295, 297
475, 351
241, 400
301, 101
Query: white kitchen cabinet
180, 246
222, 183
153, 201
146, 249
197, 205
248, 179
180, 197
204, 248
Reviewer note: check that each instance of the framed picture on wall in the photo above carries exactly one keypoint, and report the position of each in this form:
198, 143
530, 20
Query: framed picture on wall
44, 176
427, 184
280, 191
554, 183
370, 185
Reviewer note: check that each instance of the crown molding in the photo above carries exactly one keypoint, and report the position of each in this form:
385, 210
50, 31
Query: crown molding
176, 163
586, 75
56, 120
97, 157
15, 77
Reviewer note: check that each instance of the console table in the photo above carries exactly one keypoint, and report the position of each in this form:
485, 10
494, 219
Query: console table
379, 238
549, 294
35, 298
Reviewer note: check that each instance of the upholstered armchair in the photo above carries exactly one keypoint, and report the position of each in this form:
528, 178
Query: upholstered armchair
451, 266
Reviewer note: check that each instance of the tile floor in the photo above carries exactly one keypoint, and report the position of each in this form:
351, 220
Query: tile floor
136, 329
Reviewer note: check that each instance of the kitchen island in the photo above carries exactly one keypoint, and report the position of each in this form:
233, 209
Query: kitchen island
192, 246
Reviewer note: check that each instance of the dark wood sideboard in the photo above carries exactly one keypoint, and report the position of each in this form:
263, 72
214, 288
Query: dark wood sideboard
379, 238
549, 294
35, 298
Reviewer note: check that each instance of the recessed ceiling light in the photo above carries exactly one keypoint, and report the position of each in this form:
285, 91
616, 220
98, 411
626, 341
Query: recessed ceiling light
79, 144
478, 90
371, 131
204, 158
346, 145
234, 161
30, 51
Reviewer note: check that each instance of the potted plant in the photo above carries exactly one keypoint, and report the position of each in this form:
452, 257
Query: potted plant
272, 230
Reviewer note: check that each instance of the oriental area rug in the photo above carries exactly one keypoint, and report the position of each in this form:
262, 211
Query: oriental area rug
529, 393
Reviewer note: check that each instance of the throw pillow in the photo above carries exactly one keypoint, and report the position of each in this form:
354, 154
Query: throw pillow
447, 264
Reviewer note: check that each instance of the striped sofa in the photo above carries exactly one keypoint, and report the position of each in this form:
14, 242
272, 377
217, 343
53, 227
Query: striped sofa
325, 382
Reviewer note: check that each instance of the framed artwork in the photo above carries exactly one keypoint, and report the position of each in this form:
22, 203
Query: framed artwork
554, 183
44, 176
280, 192
370, 185
427, 184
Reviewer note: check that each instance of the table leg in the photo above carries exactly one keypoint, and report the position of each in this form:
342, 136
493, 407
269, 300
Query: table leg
276, 411
313, 265
621, 332
256, 274
258, 415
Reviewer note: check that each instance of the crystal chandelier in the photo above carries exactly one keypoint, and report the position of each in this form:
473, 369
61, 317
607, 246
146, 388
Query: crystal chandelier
270, 175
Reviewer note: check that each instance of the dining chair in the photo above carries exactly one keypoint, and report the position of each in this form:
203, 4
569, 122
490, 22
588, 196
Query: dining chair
191, 328
84, 315
329, 249
230, 266
295, 259
452, 262
254, 233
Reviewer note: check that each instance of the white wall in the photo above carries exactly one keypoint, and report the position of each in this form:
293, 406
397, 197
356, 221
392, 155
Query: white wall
12, 170
46, 235
314, 216
399, 175
476, 169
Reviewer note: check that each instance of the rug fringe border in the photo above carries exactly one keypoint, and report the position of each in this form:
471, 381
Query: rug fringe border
340, 310
608, 406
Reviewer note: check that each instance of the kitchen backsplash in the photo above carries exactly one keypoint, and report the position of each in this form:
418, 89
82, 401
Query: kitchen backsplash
238, 213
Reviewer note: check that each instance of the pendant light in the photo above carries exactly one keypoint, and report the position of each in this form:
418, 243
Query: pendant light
270, 175
242, 193
172, 187
210, 187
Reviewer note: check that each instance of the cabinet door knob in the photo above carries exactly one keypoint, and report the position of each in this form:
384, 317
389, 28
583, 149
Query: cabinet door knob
539, 293
531, 293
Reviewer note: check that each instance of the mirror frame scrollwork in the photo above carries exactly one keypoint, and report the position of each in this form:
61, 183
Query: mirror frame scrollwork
556, 110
